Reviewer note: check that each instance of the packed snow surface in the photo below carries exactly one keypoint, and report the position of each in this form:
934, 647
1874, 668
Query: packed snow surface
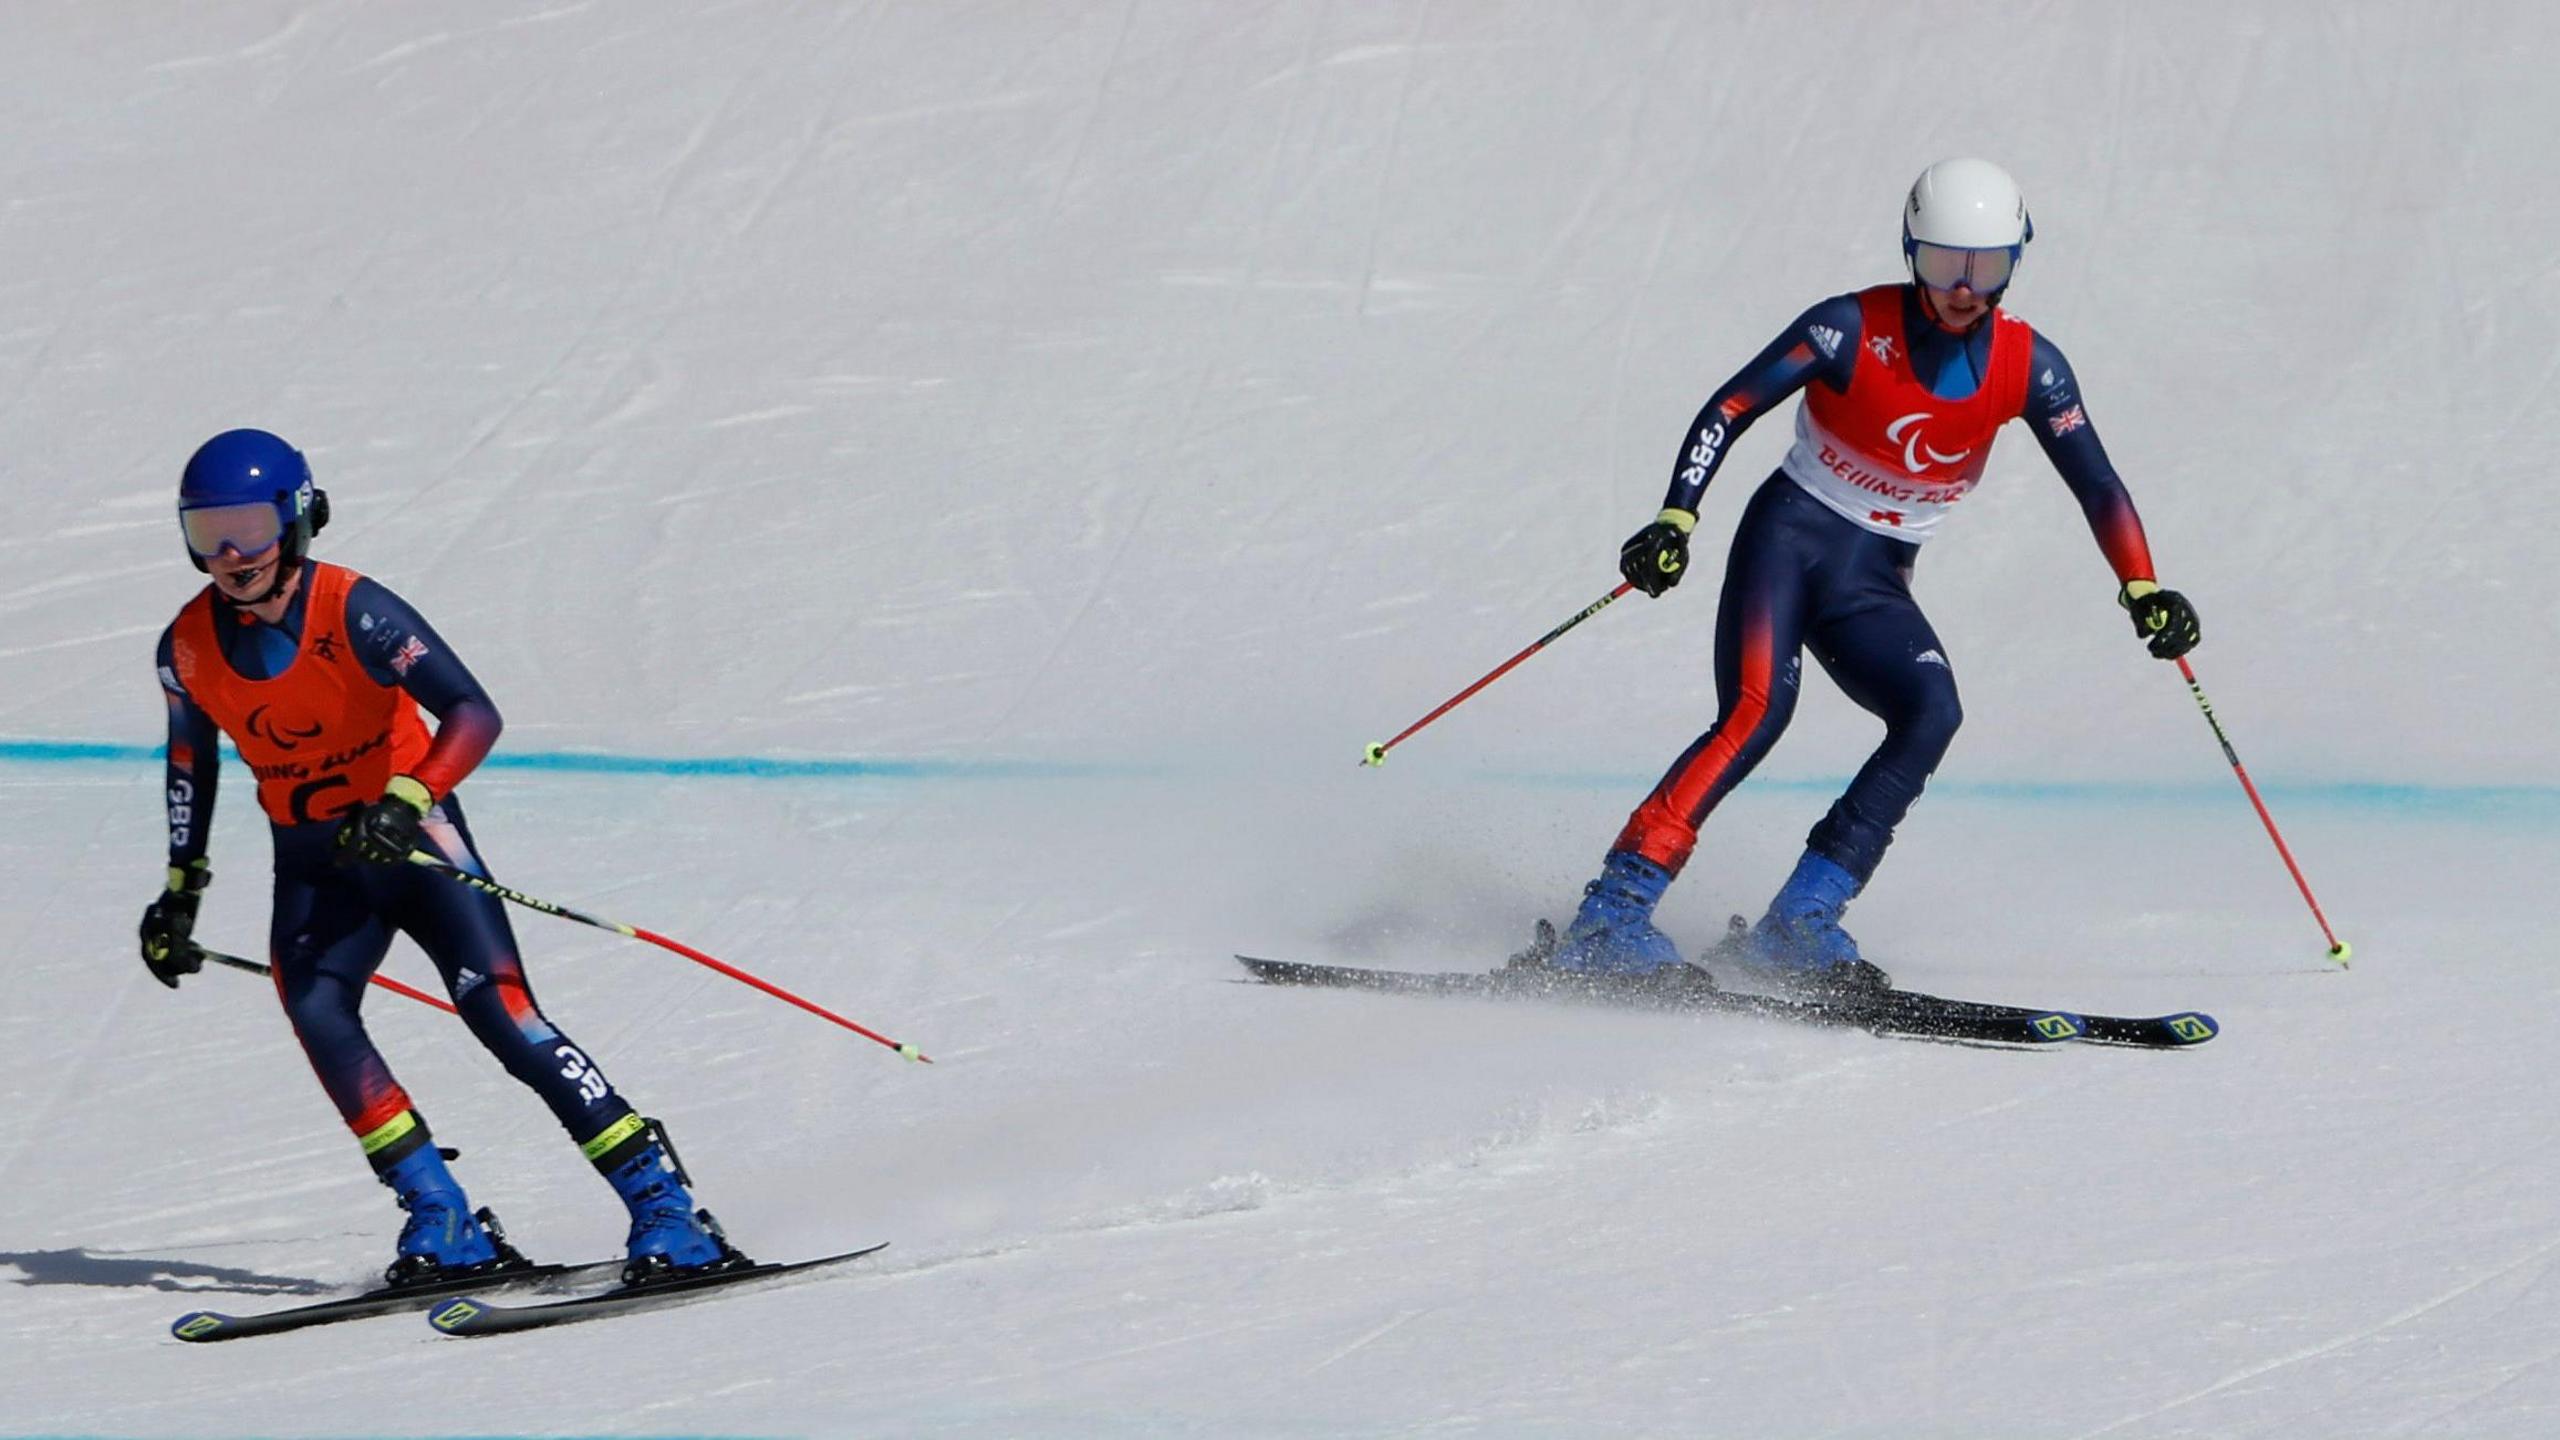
1073, 430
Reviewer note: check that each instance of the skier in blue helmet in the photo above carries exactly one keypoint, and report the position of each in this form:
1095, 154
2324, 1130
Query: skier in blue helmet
244, 491
320, 677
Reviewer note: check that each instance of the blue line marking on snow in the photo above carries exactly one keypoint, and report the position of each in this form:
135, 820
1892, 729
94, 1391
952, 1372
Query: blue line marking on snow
67, 752
590, 762
2465, 802
2452, 802
776, 767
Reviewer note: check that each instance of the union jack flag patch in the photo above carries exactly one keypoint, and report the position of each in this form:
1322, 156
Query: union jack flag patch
2068, 421
410, 653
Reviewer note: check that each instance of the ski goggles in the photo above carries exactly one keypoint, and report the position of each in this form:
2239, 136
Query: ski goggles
246, 529
1944, 267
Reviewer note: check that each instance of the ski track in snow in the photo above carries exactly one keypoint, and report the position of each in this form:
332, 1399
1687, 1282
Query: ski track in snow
2539, 1255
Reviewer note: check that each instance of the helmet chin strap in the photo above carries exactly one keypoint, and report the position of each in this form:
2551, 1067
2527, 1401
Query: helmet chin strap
287, 563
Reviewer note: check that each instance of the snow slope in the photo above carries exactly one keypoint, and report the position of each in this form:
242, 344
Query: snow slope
1110, 417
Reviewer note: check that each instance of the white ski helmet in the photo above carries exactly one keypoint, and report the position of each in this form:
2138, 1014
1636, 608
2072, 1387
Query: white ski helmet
1966, 205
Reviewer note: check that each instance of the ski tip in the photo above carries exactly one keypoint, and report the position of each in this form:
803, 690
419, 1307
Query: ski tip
2193, 1027
1279, 972
199, 1325
455, 1316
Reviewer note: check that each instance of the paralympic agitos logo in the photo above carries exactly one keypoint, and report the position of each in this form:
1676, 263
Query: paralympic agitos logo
282, 734
1918, 454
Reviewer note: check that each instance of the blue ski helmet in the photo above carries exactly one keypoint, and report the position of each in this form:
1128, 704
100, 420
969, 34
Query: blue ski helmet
247, 490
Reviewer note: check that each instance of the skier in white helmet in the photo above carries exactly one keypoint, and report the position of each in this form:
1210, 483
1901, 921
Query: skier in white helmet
1904, 388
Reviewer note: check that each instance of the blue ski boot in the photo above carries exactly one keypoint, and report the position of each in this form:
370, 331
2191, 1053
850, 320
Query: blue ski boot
443, 1238
669, 1237
1799, 944
1613, 933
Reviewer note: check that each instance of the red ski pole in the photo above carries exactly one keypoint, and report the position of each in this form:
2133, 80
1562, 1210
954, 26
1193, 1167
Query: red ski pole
2339, 950
385, 981
421, 857
1376, 754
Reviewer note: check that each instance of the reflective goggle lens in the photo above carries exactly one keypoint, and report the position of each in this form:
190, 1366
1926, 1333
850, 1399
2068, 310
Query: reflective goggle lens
1944, 267
245, 530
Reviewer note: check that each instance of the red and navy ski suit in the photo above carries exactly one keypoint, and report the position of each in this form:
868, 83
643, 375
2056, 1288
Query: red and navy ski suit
1896, 426
324, 706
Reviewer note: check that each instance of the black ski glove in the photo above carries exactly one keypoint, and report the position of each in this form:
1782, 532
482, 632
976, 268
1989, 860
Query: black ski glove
168, 949
2163, 617
384, 832
1654, 558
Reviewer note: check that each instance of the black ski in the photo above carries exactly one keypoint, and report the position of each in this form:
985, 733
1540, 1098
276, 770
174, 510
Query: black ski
207, 1326
2155, 1032
471, 1315
1890, 1012
2159, 1032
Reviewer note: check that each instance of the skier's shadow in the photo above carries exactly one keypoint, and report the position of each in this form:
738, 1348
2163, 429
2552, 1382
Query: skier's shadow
143, 1272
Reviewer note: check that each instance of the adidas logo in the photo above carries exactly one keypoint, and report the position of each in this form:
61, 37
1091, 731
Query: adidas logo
470, 979
1828, 338
1932, 657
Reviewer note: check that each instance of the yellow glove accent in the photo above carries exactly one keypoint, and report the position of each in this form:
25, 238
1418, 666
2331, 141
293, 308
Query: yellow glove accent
408, 788
1683, 521
2134, 590
190, 879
